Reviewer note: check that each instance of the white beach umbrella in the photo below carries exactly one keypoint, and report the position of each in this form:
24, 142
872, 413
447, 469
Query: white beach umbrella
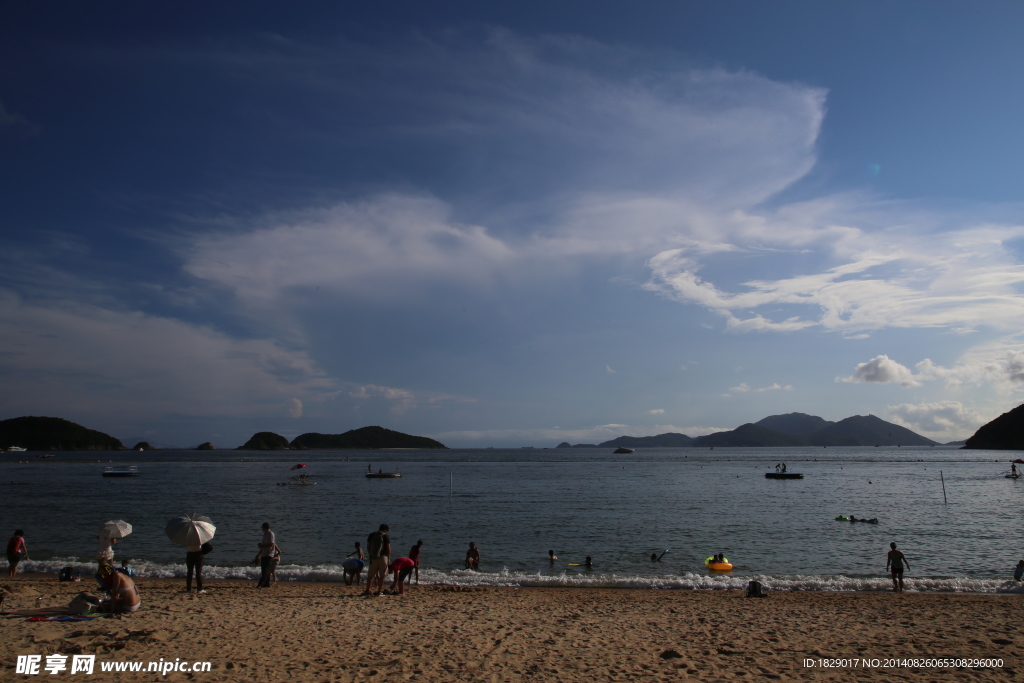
115, 528
190, 529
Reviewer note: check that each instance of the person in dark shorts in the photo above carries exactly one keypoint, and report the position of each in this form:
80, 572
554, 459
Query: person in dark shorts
378, 547
16, 552
414, 555
473, 557
194, 564
896, 560
266, 555
401, 568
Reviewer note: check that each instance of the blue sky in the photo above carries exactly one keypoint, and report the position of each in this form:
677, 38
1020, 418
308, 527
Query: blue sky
510, 223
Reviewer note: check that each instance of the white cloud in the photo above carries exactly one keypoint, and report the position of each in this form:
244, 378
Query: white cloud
73, 359
604, 129
927, 277
609, 370
657, 411
294, 407
882, 370
745, 388
946, 420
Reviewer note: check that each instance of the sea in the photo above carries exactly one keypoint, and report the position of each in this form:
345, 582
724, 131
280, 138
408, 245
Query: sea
953, 513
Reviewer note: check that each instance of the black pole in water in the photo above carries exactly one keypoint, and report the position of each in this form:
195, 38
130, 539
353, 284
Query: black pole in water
943, 487
450, 484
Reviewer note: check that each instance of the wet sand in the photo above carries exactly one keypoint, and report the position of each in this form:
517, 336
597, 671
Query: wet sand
307, 631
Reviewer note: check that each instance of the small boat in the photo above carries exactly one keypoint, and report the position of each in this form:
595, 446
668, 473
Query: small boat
1012, 476
383, 475
16, 449
46, 455
622, 450
783, 475
121, 471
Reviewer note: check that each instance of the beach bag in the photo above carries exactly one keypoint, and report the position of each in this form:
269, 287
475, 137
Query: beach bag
66, 574
206, 548
756, 590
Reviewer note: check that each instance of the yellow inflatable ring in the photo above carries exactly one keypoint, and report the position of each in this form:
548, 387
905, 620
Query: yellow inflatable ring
723, 566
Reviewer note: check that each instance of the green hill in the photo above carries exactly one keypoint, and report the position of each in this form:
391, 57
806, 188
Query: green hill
54, 434
794, 423
365, 437
749, 435
867, 430
666, 440
1006, 432
265, 441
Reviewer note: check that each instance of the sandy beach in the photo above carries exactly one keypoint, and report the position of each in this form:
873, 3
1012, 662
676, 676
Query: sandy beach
309, 631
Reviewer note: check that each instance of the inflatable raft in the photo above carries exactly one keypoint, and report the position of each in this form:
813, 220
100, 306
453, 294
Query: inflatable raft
723, 566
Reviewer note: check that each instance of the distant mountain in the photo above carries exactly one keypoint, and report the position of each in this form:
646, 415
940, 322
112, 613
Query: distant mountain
365, 437
749, 435
867, 430
794, 423
265, 441
666, 440
566, 444
1006, 432
792, 429
54, 434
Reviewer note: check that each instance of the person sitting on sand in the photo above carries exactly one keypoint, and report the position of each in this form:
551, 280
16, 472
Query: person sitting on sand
897, 560
124, 594
16, 552
401, 568
473, 557
125, 569
1018, 573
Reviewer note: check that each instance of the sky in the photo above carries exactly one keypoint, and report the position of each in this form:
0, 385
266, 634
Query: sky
510, 224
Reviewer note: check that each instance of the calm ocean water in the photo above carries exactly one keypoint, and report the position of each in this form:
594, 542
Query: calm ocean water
516, 504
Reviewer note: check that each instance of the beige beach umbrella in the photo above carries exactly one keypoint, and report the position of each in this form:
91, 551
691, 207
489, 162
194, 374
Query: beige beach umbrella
190, 529
115, 528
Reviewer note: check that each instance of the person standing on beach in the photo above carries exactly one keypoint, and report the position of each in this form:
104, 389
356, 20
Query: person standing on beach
194, 563
16, 552
414, 555
266, 555
473, 557
106, 551
378, 546
896, 559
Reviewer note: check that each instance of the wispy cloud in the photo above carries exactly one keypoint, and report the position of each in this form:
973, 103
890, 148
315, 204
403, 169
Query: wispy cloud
744, 388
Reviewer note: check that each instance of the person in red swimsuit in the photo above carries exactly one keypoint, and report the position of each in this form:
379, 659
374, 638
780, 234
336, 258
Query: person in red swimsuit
401, 568
16, 552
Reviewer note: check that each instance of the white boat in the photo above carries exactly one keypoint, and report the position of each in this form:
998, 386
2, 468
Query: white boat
16, 449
